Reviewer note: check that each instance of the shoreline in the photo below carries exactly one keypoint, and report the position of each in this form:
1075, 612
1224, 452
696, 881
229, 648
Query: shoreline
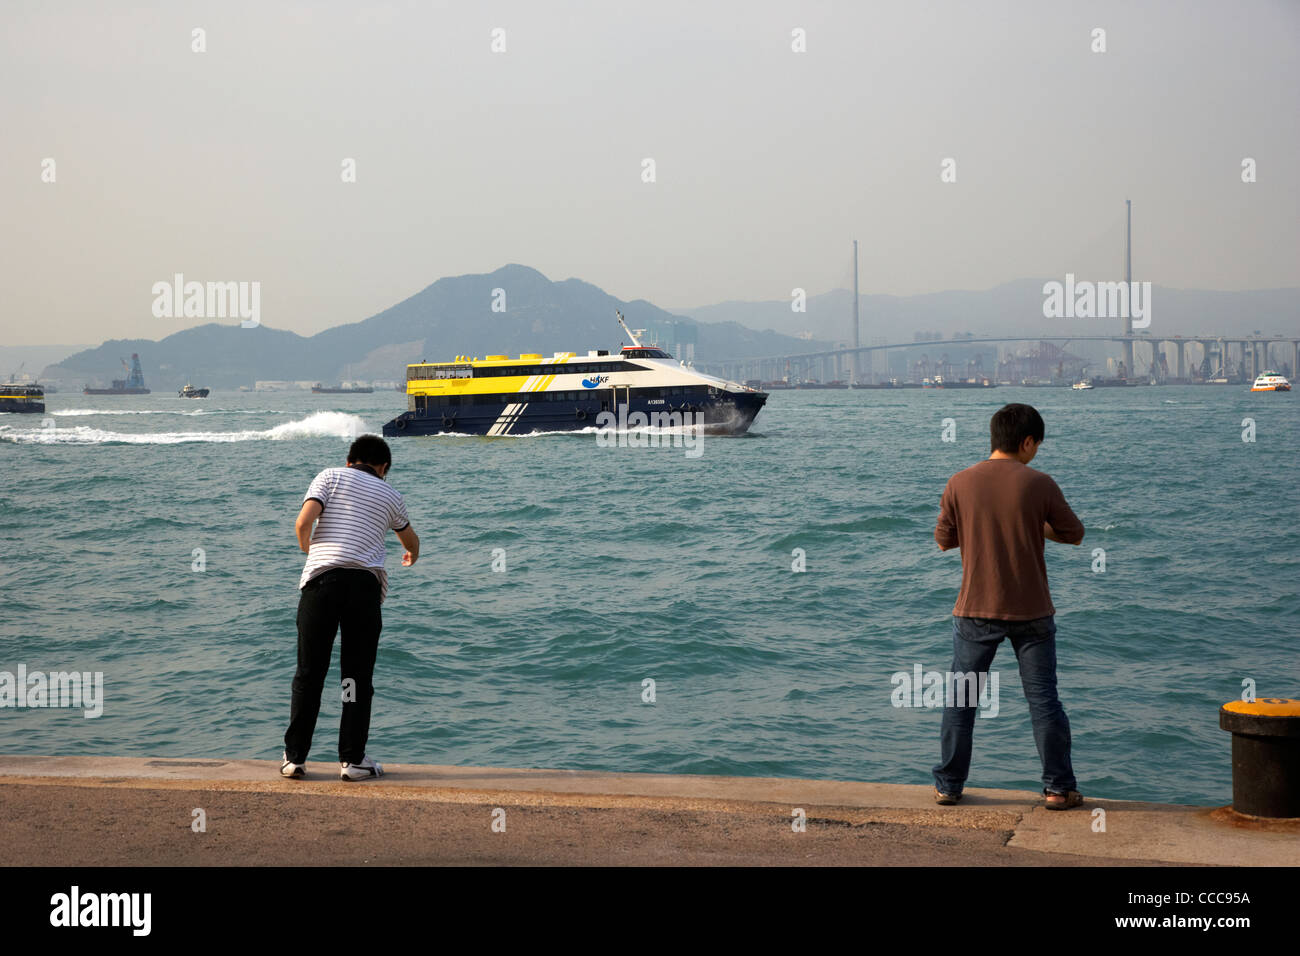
137, 811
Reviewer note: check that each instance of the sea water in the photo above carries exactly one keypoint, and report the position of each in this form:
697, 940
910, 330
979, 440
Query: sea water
595, 605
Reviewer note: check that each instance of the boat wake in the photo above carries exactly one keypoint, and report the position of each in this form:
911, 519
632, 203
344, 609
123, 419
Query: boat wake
80, 412
318, 425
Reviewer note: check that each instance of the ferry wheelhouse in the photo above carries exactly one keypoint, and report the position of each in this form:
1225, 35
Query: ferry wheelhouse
499, 395
1271, 381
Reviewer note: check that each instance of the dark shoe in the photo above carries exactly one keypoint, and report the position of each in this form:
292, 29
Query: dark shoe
1061, 801
945, 799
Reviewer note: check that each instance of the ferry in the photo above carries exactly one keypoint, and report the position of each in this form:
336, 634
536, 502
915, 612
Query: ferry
498, 395
1271, 381
22, 398
1082, 385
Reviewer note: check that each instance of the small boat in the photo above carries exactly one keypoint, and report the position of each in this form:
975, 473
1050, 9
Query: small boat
1080, 386
1271, 381
189, 391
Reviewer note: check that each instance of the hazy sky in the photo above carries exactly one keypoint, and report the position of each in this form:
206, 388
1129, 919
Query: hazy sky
225, 165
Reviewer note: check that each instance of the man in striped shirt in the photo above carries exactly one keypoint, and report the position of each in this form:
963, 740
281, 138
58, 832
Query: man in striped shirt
342, 586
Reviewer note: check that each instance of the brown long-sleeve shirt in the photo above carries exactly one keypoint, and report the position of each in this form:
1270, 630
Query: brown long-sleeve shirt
994, 511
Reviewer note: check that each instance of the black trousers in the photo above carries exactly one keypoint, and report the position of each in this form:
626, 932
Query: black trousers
346, 598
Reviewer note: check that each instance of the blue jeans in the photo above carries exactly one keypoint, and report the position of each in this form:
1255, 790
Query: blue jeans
974, 642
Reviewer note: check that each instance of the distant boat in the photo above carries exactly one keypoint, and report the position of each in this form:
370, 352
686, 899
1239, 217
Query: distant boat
189, 391
22, 398
133, 384
1271, 381
813, 383
1081, 386
892, 383
941, 382
319, 389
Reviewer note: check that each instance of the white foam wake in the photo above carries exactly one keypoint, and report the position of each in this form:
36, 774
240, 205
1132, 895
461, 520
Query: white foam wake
206, 410
79, 412
318, 425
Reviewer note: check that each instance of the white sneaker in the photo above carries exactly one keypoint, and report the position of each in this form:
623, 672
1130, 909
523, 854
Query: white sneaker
290, 769
364, 770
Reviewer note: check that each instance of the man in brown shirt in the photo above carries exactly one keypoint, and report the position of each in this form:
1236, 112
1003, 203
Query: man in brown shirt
999, 512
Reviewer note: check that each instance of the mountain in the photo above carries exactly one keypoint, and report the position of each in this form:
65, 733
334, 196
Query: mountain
1013, 308
451, 317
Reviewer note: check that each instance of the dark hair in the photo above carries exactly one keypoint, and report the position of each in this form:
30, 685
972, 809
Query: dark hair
370, 450
1012, 424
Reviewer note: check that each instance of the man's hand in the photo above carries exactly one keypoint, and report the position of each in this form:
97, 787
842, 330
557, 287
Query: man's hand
311, 509
1051, 535
411, 542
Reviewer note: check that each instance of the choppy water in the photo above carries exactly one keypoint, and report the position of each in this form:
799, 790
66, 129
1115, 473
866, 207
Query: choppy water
630, 563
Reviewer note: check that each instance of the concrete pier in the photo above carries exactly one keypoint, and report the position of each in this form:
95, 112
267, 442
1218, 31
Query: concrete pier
140, 811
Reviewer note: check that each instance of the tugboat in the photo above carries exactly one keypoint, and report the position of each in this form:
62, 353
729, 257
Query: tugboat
189, 391
22, 398
498, 395
133, 384
1271, 381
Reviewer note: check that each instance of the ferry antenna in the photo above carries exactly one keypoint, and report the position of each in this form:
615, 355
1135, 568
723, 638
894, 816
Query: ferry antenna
635, 340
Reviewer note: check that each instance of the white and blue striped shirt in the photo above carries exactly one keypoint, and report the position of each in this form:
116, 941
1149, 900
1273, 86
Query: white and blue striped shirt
359, 508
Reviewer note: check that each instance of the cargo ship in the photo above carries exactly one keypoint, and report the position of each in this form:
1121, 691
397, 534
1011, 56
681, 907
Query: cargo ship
940, 382
22, 398
319, 389
498, 395
133, 384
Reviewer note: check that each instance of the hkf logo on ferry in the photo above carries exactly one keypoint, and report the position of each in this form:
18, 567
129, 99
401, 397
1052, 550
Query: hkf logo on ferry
1098, 300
